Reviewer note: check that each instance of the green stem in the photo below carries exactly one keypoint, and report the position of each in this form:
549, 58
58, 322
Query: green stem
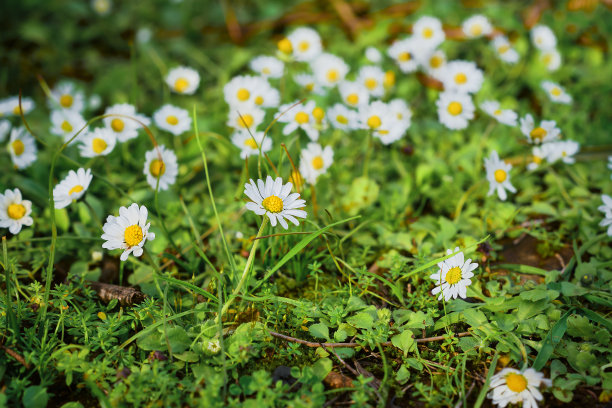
368, 151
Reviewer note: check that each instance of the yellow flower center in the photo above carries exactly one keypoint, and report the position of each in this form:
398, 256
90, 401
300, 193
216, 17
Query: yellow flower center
476, 29
555, 91
353, 99
171, 120
342, 119
389, 80
266, 71
516, 382
296, 179
374, 121
453, 275
259, 100
132, 235
16, 211
309, 87
243, 94
76, 189
16, 110
428, 32
332, 75
18, 147
66, 100
371, 83
117, 125
317, 163
500, 175
157, 167
66, 126
497, 112
180, 85
301, 118
454, 108
246, 121
547, 58
273, 204
285, 46
251, 143
404, 56
538, 133
304, 46
460, 78
318, 114
99, 145
435, 61
503, 48
537, 159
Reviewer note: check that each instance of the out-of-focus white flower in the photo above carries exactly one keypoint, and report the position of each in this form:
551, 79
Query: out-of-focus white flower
543, 38
455, 110
556, 93
476, 26
546, 132
498, 175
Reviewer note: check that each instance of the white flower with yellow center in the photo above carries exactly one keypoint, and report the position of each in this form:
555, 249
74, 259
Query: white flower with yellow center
546, 132
455, 110
329, 70
406, 53
353, 94
309, 84
551, 59
556, 93
434, 63
453, 277
304, 44
239, 91
101, 7
274, 199
99, 142
376, 117
14, 212
511, 386
606, 208
129, 231
72, 187
183, 80
429, 31
505, 116
498, 175
543, 38
160, 163
66, 123
123, 121
539, 154
399, 108
245, 118
10, 106
66, 96
5, 127
504, 49
372, 78
172, 119
342, 117
563, 150
314, 161
22, 148
462, 76
476, 26
250, 145
299, 116
264, 95
373, 55
267, 67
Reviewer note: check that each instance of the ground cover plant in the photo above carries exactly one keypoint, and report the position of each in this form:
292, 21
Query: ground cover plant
310, 204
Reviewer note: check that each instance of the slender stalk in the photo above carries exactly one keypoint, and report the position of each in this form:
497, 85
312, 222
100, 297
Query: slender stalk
368, 151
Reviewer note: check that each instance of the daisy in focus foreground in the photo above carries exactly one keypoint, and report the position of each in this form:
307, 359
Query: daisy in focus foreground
72, 187
454, 275
14, 212
274, 199
129, 231
513, 386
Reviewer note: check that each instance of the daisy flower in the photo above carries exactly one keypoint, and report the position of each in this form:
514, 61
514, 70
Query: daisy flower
305, 44
556, 93
429, 31
563, 150
454, 275
99, 142
314, 161
342, 117
183, 80
5, 126
247, 117
274, 199
125, 124
160, 163
511, 386
14, 212
476, 26
498, 175
10, 106
606, 208
406, 53
543, 38
434, 63
399, 108
299, 116
551, 59
172, 119
239, 90
373, 55
504, 49
22, 148
329, 70
129, 231
383, 122
65, 95
249, 145
72, 187
505, 116
267, 67
66, 123
372, 78
538, 155
353, 94
546, 132
309, 84
455, 110
462, 76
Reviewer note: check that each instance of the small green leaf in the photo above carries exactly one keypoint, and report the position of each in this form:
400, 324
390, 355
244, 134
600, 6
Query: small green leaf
319, 331
362, 320
35, 396
404, 341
